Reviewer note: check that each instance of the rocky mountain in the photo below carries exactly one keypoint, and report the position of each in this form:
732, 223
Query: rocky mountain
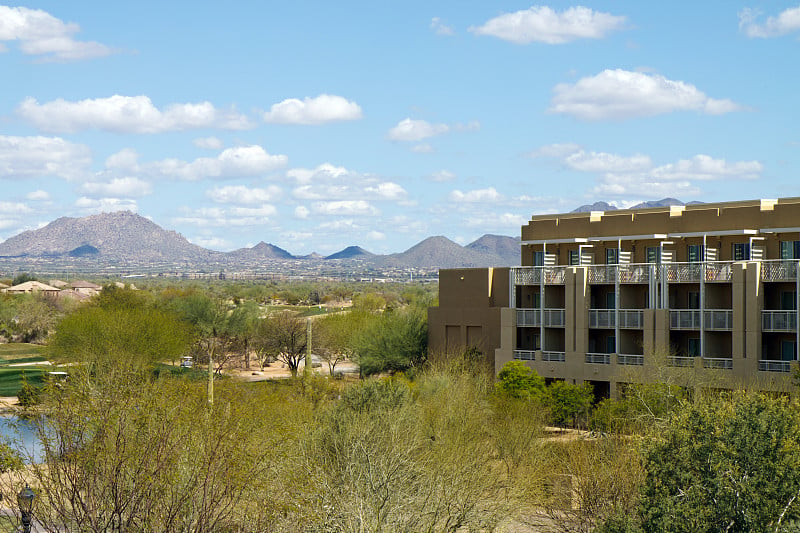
261, 250
441, 252
505, 247
605, 206
109, 236
597, 206
351, 252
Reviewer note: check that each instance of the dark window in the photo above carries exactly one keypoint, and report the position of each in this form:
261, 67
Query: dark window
787, 350
611, 300
611, 344
693, 347
741, 251
788, 300
536, 300
574, 257
790, 249
654, 254
694, 300
695, 253
612, 256
538, 259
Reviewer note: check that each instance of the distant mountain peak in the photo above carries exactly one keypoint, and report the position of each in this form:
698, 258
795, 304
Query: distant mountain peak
351, 252
605, 206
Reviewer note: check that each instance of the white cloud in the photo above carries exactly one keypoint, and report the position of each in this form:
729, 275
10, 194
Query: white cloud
478, 195
105, 205
40, 33
704, 168
338, 225
38, 196
214, 243
243, 195
442, 176
543, 24
209, 143
222, 217
329, 182
319, 110
440, 28
422, 148
128, 187
376, 236
127, 114
621, 94
386, 191
241, 161
555, 150
345, 207
35, 157
604, 162
787, 21
416, 130
496, 221
265, 211
301, 212
14, 208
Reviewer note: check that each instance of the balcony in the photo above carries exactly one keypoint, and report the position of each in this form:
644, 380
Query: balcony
684, 272
598, 358
680, 361
778, 270
549, 318
525, 355
602, 318
723, 363
774, 366
602, 274
554, 357
718, 319
634, 360
718, 271
779, 321
634, 273
631, 318
684, 319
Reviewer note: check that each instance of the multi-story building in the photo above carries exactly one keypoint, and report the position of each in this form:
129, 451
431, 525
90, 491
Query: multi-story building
706, 293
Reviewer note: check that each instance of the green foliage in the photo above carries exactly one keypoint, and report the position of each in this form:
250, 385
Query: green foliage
23, 278
724, 465
517, 380
28, 395
569, 404
393, 342
640, 408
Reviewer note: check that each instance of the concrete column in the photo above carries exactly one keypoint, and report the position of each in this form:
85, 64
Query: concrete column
751, 292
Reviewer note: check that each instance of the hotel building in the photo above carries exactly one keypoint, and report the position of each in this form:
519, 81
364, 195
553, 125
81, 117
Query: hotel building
706, 294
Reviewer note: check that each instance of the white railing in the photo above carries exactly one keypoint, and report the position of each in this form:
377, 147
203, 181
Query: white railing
634, 273
680, 361
765, 365
601, 318
683, 272
725, 363
684, 319
718, 271
602, 274
718, 319
554, 275
778, 270
554, 357
635, 360
598, 358
534, 275
631, 318
779, 321
553, 318
528, 317
525, 355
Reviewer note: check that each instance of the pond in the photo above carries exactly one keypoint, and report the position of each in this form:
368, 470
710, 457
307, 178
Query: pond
22, 434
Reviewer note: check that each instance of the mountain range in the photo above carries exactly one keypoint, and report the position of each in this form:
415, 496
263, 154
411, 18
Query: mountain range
605, 206
125, 237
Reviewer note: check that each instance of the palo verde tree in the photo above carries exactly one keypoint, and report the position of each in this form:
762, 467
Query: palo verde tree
395, 341
283, 336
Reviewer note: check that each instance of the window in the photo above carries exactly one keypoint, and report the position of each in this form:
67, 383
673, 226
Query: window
693, 347
611, 300
536, 344
695, 253
787, 350
790, 249
788, 299
612, 256
538, 259
611, 344
536, 300
654, 254
694, 300
741, 251
574, 257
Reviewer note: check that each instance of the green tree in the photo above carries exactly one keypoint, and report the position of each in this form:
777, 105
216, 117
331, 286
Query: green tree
335, 336
282, 336
724, 465
517, 380
23, 278
394, 342
569, 404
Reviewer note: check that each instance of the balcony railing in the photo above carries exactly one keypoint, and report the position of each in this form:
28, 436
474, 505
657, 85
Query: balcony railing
554, 357
553, 275
602, 274
553, 318
778, 270
680, 361
635, 360
602, 318
631, 318
525, 355
634, 273
724, 363
718, 319
718, 271
779, 321
684, 272
684, 319
774, 366
598, 358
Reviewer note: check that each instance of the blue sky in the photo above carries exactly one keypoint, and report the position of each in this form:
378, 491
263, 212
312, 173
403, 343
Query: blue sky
319, 125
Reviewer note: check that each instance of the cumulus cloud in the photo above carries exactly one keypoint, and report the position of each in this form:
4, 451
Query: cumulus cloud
543, 24
621, 94
422, 148
442, 176
440, 28
14, 208
226, 217
496, 221
241, 161
376, 236
214, 243
118, 187
604, 162
38, 196
345, 207
301, 212
788, 21
105, 205
40, 33
36, 157
489, 195
555, 150
309, 111
243, 195
127, 114
415, 130
329, 182
208, 143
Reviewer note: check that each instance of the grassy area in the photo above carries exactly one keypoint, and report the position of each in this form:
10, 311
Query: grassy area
16, 350
11, 376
